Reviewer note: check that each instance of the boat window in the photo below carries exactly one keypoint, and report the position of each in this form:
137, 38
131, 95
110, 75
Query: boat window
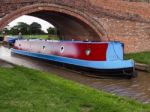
62, 49
43, 47
88, 51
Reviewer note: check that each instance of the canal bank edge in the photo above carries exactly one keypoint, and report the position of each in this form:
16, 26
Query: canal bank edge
138, 66
142, 67
8, 62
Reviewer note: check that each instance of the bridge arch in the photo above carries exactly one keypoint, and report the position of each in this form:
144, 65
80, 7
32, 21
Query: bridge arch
72, 23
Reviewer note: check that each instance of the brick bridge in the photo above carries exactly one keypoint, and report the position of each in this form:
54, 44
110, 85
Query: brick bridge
96, 20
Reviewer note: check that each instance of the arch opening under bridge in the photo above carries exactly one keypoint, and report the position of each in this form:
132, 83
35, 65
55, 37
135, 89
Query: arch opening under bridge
71, 23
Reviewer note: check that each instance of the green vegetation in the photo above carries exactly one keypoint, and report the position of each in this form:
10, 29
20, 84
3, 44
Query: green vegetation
30, 31
51, 37
36, 36
26, 29
53, 31
143, 57
28, 90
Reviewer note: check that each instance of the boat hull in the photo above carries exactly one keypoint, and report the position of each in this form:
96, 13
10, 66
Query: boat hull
118, 67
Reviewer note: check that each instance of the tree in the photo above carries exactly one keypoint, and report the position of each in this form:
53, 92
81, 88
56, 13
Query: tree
35, 28
25, 29
52, 31
14, 30
20, 27
6, 30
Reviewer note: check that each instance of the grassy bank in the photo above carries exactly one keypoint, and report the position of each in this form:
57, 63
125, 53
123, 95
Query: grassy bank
143, 57
41, 37
36, 36
52, 37
26, 90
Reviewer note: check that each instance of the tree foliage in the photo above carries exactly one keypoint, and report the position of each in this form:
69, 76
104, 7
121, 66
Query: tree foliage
35, 28
52, 31
25, 29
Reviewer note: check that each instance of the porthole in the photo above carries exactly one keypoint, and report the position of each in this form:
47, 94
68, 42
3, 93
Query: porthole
88, 52
62, 49
44, 47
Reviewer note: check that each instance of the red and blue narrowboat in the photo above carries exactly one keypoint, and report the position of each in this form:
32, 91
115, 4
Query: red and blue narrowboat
94, 56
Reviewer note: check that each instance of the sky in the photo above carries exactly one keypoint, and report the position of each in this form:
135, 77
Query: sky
29, 19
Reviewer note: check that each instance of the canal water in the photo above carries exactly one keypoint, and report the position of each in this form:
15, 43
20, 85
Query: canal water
136, 88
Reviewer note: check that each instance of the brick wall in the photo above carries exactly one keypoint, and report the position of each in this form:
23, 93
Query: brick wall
123, 21
135, 35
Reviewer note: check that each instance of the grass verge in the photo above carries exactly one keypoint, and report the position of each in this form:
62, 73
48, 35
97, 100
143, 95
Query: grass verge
143, 57
41, 37
28, 90
36, 36
52, 37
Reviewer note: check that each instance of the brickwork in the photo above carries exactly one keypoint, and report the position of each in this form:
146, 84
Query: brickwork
96, 19
135, 35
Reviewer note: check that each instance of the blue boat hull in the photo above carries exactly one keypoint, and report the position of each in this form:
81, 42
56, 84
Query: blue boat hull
123, 66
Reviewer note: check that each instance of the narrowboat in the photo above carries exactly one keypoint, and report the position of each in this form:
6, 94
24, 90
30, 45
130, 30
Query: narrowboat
94, 56
10, 39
